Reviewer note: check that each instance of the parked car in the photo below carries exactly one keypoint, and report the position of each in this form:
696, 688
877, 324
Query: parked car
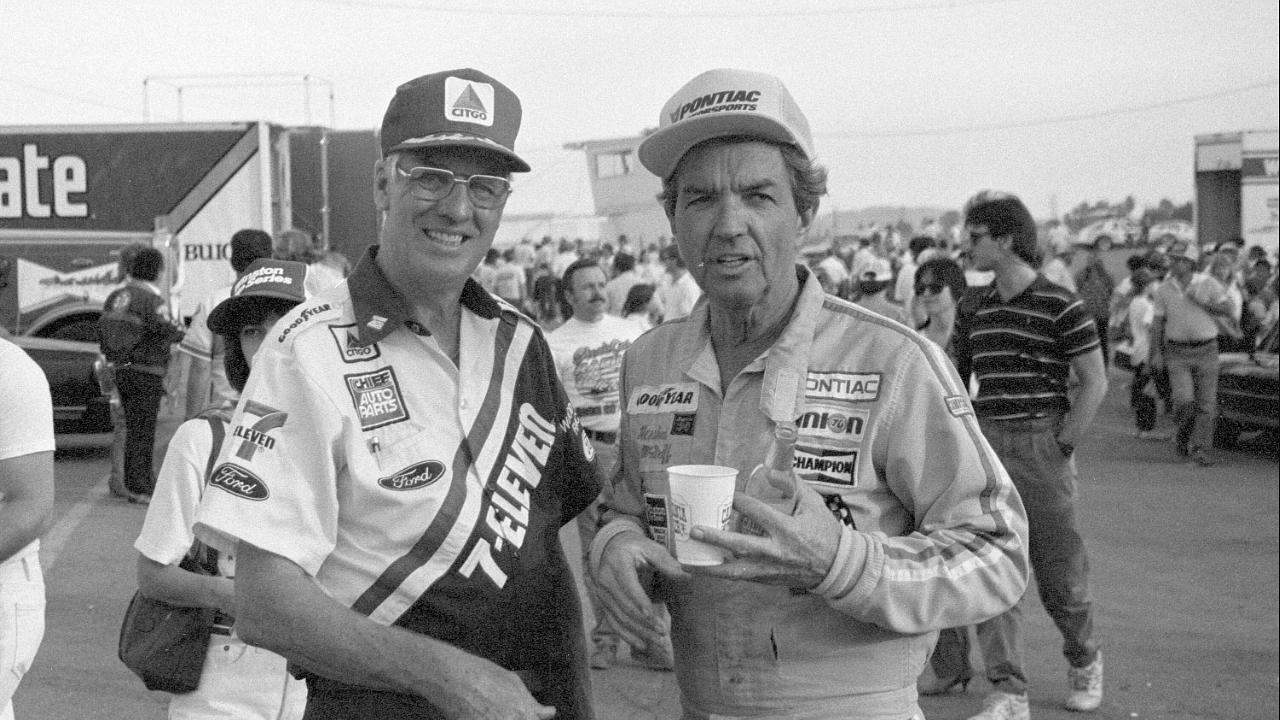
77, 374
1249, 391
1169, 231
1106, 234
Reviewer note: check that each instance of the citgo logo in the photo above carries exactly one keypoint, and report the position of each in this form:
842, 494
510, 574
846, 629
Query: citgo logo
468, 101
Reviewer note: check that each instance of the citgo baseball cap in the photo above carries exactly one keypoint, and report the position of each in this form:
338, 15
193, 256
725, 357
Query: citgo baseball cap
281, 279
454, 108
721, 103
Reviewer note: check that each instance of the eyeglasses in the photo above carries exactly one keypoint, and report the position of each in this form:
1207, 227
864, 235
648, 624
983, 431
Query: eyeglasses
484, 191
932, 288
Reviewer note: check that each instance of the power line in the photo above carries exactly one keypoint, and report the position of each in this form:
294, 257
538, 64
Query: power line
675, 15
1123, 110
68, 96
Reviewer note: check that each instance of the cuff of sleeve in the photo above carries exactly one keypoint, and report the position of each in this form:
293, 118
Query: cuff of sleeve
853, 573
614, 528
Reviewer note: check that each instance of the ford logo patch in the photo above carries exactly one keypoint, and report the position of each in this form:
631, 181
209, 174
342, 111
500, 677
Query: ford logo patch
239, 482
415, 476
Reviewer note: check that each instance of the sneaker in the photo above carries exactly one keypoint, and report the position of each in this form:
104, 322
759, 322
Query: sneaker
604, 655
659, 657
1004, 706
1086, 686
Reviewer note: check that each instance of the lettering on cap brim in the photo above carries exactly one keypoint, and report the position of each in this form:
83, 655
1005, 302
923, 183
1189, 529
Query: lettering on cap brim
239, 482
853, 387
671, 398
377, 398
418, 475
468, 101
349, 347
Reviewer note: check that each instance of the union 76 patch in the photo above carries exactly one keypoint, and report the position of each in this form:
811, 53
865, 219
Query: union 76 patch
377, 398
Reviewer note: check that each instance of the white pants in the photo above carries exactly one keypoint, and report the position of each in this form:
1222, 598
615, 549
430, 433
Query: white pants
21, 623
241, 681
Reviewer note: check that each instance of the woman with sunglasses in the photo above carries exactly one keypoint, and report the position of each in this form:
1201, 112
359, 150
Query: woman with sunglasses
940, 285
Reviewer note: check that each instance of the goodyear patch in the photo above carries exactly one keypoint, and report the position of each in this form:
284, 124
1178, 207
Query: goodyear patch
377, 398
303, 317
349, 347
671, 398
850, 387
239, 482
414, 477
959, 405
683, 424
825, 465
833, 422
655, 514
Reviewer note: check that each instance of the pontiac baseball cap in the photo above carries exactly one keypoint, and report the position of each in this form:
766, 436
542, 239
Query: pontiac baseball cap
281, 279
721, 103
460, 108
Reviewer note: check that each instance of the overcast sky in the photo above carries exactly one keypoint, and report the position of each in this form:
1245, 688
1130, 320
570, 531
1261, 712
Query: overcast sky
912, 102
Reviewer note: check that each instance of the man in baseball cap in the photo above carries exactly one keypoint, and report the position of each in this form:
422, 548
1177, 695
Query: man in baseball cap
899, 520
405, 454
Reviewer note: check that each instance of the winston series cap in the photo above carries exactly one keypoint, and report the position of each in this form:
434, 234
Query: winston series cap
720, 103
454, 108
281, 279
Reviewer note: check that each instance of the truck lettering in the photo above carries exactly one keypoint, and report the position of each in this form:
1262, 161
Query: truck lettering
20, 180
206, 251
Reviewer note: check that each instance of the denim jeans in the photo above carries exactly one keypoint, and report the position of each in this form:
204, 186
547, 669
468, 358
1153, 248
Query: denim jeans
21, 622
1193, 378
1046, 480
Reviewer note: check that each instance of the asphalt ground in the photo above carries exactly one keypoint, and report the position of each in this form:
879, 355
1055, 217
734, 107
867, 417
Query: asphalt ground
1185, 578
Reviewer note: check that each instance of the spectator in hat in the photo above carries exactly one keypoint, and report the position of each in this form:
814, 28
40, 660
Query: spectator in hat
873, 291
679, 296
238, 680
201, 350
406, 455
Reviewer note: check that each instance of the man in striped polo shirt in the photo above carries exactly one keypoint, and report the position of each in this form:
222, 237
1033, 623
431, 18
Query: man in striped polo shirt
1021, 337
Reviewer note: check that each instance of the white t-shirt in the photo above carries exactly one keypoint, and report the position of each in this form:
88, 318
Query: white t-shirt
679, 297
588, 357
26, 412
200, 343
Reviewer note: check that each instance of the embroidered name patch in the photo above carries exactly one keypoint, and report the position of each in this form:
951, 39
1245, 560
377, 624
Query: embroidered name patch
856, 387
672, 398
377, 398
239, 482
349, 346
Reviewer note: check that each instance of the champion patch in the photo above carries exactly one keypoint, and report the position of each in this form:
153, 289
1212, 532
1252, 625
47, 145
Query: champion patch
349, 346
832, 422
239, 482
655, 399
377, 398
822, 465
468, 101
418, 475
855, 387
959, 405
